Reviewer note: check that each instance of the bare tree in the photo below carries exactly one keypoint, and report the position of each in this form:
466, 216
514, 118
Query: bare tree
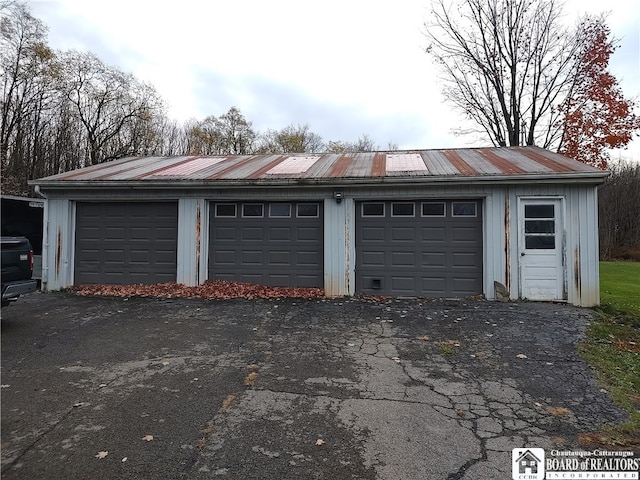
291, 139
364, 144
619, 212
63, 110
230, 133
60, 111
506, 64
170, 136
392, 146
236, 135
203, 137
109, 104
25, 67
66, 142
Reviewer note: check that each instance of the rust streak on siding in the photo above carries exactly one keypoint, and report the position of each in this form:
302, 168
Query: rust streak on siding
576, 272
456, 160
504, 165
198, 233
58, 252
507, 239
347, 243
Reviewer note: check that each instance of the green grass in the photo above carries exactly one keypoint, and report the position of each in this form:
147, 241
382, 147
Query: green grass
612, 347
620, 287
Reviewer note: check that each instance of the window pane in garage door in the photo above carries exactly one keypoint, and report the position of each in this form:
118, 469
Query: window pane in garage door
437, 253
277, 249
126, 243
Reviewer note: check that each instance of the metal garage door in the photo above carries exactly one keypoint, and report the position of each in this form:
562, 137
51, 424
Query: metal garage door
419, 248
126, 243
275, 244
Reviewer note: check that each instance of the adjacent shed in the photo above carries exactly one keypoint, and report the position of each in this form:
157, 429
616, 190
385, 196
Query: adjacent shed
434, 223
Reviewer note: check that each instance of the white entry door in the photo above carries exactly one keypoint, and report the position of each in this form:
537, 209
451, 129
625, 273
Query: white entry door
541, 249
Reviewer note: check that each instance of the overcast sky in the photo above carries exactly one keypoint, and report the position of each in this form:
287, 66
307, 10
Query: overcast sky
344, 67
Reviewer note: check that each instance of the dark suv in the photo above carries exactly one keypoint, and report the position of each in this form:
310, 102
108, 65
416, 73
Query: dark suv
17, 269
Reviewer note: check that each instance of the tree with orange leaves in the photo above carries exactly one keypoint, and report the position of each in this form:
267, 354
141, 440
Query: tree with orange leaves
596, 115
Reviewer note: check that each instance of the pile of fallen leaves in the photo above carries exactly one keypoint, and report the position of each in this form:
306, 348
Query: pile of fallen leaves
217, 289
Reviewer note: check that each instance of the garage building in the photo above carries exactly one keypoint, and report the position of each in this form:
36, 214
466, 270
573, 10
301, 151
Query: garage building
428, 223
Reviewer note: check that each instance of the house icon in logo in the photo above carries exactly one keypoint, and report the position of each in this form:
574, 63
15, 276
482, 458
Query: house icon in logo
528, 463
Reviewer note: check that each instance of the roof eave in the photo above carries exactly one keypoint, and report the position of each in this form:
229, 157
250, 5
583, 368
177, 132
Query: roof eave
594, 178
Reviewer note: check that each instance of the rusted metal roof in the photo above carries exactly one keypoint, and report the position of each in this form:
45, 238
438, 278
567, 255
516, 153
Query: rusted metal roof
416, 165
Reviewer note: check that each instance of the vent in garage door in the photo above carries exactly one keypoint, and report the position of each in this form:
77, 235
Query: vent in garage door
419, 248
267, 243
126, 243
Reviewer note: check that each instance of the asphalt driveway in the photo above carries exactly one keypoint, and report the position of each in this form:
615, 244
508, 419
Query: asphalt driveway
105, 388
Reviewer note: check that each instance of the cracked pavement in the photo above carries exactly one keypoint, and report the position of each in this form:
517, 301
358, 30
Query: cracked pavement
289, 388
